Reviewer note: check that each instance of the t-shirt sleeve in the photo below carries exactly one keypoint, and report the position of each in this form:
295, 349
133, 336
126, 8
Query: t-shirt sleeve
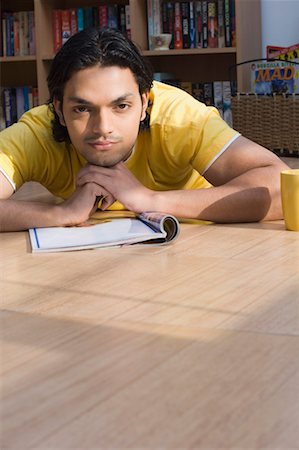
17, 144
211, 139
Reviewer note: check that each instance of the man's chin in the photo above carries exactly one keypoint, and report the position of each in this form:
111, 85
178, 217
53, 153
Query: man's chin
112, 162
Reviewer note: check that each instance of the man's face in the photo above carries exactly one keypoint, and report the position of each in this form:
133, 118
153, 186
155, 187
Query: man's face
102, 110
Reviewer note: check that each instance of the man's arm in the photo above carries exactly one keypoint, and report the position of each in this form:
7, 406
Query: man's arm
245, 179
16, 215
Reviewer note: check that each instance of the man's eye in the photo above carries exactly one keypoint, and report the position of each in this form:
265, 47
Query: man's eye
122, 106
80, 109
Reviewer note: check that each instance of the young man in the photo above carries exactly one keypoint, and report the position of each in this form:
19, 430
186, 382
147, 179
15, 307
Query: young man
110, 132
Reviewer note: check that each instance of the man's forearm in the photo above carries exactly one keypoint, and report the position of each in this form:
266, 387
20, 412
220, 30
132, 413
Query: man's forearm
16, 215
240, 200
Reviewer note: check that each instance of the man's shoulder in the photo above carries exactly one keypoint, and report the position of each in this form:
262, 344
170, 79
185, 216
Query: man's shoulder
39, 115
170, 105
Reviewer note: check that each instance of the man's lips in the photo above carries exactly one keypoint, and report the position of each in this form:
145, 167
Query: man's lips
102, 144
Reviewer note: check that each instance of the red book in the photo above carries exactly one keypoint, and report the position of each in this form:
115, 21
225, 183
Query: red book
178, 35
74, 25
57, 34
212, 24
103, 16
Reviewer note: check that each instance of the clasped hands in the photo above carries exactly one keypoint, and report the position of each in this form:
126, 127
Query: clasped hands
116, 183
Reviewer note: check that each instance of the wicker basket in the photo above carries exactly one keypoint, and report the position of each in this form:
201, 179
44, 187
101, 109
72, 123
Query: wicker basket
272, 121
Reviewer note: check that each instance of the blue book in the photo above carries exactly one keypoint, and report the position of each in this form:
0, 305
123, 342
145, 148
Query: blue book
88, 17
80, 19
26, 97
192, 28
113, 16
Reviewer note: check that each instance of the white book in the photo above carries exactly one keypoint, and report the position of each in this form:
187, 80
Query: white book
150, 228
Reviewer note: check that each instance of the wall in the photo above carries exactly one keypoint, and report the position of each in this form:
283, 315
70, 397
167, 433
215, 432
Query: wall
280, 23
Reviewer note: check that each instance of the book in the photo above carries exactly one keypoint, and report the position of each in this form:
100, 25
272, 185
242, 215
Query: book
227, 24
274, 77
221, 34
16, 34
232, 7
284, 53
150, 23
144, 228
113, 17
227, 103
32, 41
212, 24
168, 21
218, 96
204, 23
192, 25
128, 21
157, 19
80, 19
185, 24
208, 93
178, 32
198, 24
57, 35
65, 25
73, 21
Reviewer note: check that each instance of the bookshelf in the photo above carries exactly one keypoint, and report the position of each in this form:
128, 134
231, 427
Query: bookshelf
187, 64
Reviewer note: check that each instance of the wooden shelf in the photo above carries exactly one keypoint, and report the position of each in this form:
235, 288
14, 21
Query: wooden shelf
9, 59
200, 64
190, 51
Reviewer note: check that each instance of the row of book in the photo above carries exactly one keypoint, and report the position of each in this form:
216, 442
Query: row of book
14, 102
67, 22
17, 33
193, 24
212, 93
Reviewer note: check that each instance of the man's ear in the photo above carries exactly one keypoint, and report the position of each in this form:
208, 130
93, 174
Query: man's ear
58, 110
144, 99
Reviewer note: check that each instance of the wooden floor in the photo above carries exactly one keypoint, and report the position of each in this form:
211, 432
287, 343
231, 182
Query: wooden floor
193, 345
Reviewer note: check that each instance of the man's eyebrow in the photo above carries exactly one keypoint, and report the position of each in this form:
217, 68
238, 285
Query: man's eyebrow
79, 100
122, 98
83, 101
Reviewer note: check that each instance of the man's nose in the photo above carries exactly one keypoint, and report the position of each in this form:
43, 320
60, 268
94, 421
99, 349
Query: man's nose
102, 123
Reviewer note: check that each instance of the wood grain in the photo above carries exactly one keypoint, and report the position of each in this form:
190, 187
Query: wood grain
193, 345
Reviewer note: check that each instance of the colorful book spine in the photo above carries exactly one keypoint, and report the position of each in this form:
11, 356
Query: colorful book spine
122, 18
232, 7
212, 24
16, 34
65, 25
32, 41
156, 17
185, 24
192, 25
80, 19
221, 31
103, 16
113, 17
204, 22
227, 24
178, 38
73, 21
198, 24
57, 35
128, 22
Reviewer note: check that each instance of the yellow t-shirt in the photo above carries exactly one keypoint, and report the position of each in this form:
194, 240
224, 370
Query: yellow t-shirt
183, 140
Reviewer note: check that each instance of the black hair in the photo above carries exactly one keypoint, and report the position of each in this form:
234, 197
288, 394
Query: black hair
88, 48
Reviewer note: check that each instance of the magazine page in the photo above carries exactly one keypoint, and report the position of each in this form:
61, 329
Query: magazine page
165, 223
97, 233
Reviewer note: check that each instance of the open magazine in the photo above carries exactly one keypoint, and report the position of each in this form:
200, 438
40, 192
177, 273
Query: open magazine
107, 231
